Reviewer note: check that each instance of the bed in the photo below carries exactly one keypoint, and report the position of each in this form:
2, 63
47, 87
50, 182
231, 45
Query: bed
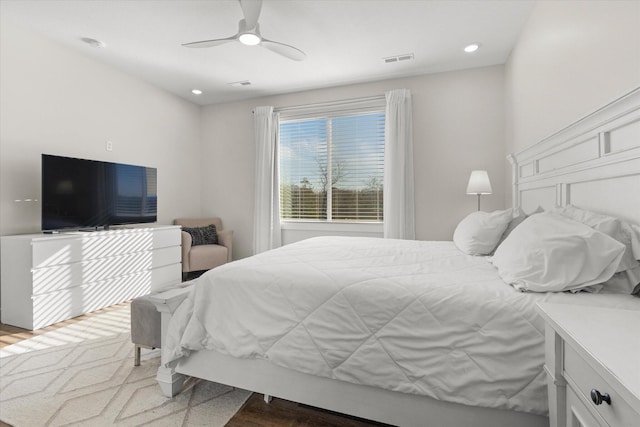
406, 332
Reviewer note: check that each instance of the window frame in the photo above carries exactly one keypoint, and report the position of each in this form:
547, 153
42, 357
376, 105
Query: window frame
329, 111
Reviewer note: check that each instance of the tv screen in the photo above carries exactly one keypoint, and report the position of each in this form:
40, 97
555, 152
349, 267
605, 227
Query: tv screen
79, 193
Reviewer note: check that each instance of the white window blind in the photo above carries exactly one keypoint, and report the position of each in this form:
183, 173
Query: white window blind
332, 162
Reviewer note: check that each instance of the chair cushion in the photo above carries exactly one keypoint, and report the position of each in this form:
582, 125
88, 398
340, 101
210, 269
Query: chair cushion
206, 257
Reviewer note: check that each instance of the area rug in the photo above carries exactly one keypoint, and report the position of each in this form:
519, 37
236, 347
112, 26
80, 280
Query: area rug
83, 375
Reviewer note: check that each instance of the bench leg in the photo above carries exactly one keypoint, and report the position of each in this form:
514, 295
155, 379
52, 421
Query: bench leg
136, 355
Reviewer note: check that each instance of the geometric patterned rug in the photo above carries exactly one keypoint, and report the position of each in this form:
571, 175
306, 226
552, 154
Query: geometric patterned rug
83, 375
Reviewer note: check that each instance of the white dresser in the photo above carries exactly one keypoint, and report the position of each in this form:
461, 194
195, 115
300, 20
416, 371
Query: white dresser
593, 365
49, 278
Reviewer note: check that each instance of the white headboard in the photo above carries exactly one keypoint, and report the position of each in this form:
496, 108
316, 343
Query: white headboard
593, 163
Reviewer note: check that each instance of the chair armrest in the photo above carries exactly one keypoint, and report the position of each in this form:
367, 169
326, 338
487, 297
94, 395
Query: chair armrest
225, 238
187, 240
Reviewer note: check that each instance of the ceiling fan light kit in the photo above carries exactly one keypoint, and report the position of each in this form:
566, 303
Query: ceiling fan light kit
249, 34
249, 39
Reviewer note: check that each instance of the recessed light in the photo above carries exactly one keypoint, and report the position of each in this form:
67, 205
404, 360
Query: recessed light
472, 47
93, 42
249, 39
196, 91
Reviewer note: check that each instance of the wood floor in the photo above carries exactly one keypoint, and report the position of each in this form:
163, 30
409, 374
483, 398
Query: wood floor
281, 413
254, 413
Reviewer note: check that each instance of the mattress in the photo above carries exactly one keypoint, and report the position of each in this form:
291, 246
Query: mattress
414, 317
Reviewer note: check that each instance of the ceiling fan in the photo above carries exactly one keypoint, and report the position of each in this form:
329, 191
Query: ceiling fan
249, 34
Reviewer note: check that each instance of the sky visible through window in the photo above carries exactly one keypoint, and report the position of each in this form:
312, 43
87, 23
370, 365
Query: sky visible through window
331, 168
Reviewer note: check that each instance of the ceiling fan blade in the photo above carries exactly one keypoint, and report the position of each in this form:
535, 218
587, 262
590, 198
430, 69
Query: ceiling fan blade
209, 43
284, 50
251, 10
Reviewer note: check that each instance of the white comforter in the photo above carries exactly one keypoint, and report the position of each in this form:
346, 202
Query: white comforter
410, 316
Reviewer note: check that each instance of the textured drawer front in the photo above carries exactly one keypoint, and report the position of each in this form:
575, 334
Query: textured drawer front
58, 277
65, 304
76, 247
619, 413
577, 413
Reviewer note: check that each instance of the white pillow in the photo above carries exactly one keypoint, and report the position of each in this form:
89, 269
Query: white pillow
624, 282
551, 253
517, 220
611, 226
635, 240
479, 232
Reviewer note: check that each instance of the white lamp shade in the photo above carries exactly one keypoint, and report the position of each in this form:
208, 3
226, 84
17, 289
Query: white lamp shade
479, 183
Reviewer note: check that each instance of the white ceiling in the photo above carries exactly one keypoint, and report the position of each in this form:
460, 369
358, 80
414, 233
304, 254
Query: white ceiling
345, 40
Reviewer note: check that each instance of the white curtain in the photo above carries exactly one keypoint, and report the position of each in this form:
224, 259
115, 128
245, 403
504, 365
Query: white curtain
266, 222
399, 221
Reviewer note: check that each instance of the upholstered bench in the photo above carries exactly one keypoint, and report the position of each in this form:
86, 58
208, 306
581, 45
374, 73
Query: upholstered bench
146, 325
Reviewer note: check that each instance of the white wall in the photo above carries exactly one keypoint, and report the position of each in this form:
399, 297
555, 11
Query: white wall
571, 58
458, 126
57, 101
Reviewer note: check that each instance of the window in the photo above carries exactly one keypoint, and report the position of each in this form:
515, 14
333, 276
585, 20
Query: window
332, 166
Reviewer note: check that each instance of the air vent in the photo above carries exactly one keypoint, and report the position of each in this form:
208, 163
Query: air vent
398, 58
93, 42
240, 84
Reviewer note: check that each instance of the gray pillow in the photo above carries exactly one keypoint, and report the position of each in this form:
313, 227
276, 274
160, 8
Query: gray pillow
203, 235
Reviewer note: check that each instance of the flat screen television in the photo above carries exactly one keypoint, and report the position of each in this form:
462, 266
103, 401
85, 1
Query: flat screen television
80, 194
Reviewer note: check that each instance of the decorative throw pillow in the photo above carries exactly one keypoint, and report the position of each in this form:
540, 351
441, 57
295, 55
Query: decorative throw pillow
478, 233
552, 253
203, 235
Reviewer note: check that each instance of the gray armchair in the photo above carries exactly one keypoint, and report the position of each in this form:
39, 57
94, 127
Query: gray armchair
204, 257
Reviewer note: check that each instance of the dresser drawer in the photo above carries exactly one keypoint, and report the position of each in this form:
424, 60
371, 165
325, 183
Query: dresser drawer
75, 247
577, 413
63, 276
619, 413
67, 303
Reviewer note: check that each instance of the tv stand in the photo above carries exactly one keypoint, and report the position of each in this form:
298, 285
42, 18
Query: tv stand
47, 278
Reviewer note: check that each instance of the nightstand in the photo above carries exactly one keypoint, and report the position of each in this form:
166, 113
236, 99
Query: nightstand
592, 360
